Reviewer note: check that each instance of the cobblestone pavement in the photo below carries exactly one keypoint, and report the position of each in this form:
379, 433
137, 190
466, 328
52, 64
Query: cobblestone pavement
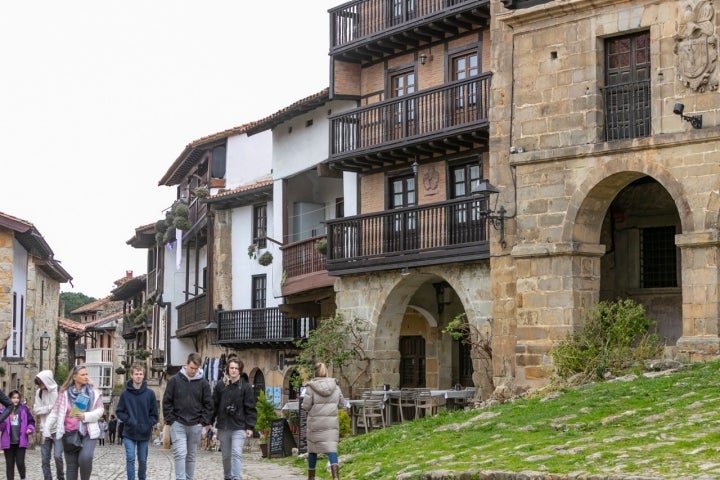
109, 464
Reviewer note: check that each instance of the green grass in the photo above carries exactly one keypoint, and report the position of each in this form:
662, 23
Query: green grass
666, 426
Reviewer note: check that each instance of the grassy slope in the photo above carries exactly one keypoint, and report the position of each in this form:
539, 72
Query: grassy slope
666, 426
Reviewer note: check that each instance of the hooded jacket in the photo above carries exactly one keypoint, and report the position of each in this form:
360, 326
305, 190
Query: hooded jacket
45, 399
55, 422
26, 421
188, 400
322, 400
137, 409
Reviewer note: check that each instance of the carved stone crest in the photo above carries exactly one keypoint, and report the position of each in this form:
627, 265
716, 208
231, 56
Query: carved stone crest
696, 45
431, 180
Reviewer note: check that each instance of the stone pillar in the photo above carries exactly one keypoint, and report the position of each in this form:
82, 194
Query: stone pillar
6, 283
700, 306
556, 285
222, 246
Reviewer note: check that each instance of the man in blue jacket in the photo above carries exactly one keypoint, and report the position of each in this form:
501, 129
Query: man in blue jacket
187, 407
137, 409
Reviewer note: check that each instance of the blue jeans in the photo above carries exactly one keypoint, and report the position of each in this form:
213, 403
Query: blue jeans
312, 459
45, 450
141, 447
231, 445
185, 440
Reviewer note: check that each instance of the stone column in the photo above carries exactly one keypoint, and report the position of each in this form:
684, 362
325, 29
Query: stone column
222, 246
6, 283
556, 284
700, 306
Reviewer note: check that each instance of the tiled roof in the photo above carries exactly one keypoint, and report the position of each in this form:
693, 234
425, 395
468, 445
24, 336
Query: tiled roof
92, 306
244, 195
298, 108
71, 326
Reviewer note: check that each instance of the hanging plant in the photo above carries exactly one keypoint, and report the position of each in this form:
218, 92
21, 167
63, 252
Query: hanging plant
321, 246
120, 371
252, 251
265, 259
169, 235
201, 192
182, 223
180, 210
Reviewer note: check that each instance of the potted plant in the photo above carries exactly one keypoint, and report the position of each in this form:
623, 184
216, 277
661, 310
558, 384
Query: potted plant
321, 246
265, 415
252, 251
201, 192
265, 259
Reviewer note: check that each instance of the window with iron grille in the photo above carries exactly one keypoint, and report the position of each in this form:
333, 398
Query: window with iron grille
260, 225
658, 257
627, 86
259, 291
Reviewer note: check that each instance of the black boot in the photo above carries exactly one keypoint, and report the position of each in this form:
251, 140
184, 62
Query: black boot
334, 468
311, 474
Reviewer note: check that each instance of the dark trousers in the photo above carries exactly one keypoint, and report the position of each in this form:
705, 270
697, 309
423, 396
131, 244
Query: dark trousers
14, 456
112, 436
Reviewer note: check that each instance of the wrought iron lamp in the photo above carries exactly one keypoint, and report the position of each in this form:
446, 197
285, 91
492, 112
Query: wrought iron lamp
496, 218
695, 120
44, 345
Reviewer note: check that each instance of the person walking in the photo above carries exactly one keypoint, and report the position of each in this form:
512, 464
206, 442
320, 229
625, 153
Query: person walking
137, 409
45, 397
234, 402
77, 424
187, 408
321, 400
112, 428
120, 427
15, 431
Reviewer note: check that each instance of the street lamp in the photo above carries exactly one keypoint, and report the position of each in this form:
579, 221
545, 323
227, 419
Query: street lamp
44, 344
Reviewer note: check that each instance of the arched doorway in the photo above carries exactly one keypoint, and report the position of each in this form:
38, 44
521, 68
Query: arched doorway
642, 261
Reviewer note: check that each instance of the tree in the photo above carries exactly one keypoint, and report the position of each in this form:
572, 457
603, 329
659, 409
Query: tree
479, 341
338, 344
73, 301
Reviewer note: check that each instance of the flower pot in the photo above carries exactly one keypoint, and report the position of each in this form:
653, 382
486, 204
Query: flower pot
264, 450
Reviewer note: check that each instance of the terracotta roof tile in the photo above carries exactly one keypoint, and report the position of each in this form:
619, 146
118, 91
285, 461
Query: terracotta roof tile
92, 306
298, 108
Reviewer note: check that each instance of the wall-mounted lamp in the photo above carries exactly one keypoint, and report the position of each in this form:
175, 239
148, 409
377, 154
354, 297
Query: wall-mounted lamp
415, 167
423, 58
442, 295
496, 218
695, 120
405, 271
44, 345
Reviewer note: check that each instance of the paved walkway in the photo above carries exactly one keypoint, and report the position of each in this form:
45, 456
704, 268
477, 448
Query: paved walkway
109, 464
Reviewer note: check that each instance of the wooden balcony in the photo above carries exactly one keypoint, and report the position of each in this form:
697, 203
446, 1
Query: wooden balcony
447, 232
99, 355
436, 121
305, 267
260, 327
365, 31
192, 316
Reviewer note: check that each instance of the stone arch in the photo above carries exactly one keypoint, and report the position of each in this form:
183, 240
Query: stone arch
595, 194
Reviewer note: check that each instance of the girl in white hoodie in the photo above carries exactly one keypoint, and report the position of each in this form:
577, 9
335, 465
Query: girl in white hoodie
45, 397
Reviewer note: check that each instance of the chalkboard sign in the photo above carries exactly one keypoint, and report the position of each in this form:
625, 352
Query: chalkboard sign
281, 439
302, 436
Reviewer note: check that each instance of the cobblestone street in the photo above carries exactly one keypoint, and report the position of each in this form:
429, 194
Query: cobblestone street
109, 464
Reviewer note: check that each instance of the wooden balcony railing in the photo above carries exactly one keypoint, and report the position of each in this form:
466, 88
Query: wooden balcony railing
441, 111
302, 258
261, 326
194, 311
451, 231
151, 282
355, 21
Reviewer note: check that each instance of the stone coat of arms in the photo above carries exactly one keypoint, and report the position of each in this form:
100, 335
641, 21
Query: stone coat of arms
696, 46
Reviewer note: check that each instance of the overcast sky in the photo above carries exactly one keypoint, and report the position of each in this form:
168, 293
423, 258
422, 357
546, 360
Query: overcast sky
98, 98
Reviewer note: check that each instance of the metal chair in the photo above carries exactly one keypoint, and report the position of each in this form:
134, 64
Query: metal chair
406, 403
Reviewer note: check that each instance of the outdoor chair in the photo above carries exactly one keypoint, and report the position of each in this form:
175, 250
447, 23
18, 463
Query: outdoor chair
373, 413
405, 404
425, 403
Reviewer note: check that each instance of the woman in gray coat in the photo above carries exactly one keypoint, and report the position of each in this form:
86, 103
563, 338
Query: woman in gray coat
321, 400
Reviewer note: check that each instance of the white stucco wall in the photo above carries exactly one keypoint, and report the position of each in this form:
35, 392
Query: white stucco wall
248, 159
244, 267
19, 288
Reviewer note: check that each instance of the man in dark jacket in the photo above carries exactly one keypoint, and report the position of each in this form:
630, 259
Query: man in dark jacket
187, 407
137, 409
112, 428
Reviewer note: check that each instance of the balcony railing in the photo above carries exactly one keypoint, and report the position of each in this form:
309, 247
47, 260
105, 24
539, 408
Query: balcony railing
439, 111
302, 258
99, 355
363, 19
452, 231
267, 326
193, 313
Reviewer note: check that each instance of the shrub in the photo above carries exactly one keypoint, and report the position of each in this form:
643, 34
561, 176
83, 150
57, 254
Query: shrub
615, 336
344, 421
265, 259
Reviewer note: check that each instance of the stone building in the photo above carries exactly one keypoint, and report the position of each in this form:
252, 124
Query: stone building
595, 122
30, 279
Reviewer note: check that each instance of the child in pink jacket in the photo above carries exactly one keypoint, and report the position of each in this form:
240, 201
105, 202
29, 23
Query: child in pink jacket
15, 430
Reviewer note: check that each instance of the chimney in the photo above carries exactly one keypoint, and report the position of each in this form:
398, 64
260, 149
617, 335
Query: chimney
128, 274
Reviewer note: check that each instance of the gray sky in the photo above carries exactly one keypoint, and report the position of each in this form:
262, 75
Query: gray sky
98, 98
